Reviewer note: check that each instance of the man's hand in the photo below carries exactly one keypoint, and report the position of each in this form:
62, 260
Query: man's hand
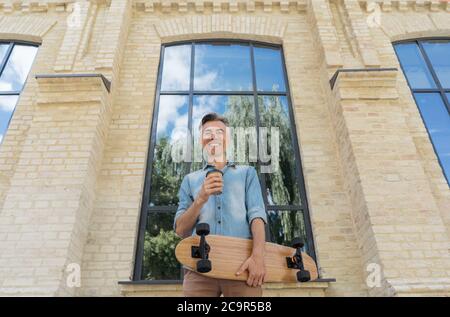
256, 270
212, 184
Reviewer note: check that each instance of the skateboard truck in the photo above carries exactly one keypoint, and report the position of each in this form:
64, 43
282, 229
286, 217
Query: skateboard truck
296, 261
202, 251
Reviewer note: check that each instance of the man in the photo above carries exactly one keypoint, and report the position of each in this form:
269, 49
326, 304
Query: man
231, 204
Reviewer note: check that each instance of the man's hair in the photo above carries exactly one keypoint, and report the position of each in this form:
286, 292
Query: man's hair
212, 116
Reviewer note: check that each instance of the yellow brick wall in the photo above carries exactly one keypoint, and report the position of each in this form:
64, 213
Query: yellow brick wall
72, 164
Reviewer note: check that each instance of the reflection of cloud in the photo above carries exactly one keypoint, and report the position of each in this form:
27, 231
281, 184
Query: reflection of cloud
180, 130
5, 86
203, 105
8, 103
169, 108
17, 68
206, 81
204, 77
176, 67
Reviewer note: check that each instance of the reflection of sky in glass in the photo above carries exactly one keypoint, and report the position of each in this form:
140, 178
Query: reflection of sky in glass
176, 68
269, 69
414, 66
437, 121
204, 104
3, 49
172, 117
439, 54
7, 105
17, 68
222, 67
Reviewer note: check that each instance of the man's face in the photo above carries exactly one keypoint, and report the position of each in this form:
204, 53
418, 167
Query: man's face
213, 139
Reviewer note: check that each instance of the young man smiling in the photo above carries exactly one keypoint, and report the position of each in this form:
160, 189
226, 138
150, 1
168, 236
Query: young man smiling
231, 204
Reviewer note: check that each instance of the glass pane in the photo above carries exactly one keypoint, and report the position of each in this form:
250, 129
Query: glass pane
439, 54
169, 168
3, 50
222, 67
240, 112
448, 97
159, 262
285, 225
269, 69
7, 105
176, 68
414, 66
281, 181
437, 121
17, 68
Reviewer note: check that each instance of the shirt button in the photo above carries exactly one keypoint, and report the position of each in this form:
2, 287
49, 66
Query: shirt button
219, 222
218, 207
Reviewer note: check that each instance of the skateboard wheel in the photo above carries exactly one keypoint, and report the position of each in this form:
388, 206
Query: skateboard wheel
303, 276
297, 243
202, 229
203, 266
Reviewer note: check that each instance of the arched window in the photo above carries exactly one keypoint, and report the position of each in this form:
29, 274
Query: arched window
426, 65
15, 64
247, 83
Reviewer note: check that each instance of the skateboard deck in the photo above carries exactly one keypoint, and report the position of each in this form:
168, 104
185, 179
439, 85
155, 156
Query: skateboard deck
226, 255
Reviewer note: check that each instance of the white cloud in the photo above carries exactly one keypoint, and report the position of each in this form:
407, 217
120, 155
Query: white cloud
1, 138
18, 67
8, 103
176, 67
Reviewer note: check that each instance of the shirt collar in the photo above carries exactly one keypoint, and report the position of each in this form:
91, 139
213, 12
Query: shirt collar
229, 164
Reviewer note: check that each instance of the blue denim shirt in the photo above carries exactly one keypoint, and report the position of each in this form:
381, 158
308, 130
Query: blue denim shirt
231, 212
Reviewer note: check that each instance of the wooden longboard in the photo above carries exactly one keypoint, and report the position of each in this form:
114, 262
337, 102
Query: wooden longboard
228, 253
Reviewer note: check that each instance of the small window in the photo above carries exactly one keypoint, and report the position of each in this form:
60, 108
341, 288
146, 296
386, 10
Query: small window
15, 64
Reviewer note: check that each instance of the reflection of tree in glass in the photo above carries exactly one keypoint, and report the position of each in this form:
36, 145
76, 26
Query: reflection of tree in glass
285, 226
240, 114
159, 244
281, 183
159, 260
166, 175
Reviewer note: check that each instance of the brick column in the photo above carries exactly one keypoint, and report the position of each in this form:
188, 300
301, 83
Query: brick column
48, 204
395, 215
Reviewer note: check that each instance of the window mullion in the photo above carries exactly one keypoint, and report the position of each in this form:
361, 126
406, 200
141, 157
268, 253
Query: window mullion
191, 106
5, 59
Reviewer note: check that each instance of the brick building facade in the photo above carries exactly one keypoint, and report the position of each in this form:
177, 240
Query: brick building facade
73, 161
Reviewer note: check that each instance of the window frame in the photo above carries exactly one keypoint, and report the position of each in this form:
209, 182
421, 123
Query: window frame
439, 89
146, 209
3, 63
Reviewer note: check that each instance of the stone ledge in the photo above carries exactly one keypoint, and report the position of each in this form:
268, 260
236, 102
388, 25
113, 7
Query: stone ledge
175, 288
365, 84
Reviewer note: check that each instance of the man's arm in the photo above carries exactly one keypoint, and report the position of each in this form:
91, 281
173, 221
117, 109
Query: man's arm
255, 263
257, 218
185, 223
259, 237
